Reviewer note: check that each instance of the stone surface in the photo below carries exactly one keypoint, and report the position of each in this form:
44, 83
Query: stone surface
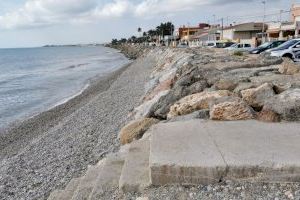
179, 154
195, 152
109, 175
231, 110
268, 116
286, 104
256, 97
195, 102
200, 114
135, 129
135, 173
70, 189
289, 67
224, 84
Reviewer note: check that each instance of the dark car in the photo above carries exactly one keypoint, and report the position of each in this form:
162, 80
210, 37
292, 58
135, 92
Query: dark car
224, 44
265, 46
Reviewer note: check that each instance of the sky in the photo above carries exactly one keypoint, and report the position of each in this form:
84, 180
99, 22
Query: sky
33, 23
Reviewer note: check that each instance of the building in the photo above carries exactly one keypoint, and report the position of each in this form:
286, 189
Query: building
285, 30
243, 33
185, 33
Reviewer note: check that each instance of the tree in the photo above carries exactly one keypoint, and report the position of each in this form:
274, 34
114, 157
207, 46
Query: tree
114, 42
165, 29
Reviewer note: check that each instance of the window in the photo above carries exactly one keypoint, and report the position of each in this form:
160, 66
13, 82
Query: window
247, 45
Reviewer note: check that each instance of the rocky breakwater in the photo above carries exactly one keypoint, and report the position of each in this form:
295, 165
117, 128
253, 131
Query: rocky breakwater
217, 85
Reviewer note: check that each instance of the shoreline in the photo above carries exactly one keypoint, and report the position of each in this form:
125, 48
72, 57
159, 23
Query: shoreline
46, 151
95, 85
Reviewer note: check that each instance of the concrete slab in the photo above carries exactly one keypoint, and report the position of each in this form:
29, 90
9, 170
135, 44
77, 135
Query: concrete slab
109, 174
182, 152
135, 174
201, 152
258, 151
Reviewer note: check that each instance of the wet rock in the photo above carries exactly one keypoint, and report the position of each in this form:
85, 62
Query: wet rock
135, 129
256, 97
232, 110
195, 102
286, 104
288, 67
268, 116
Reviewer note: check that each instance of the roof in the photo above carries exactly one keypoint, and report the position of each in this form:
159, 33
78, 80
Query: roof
251, 26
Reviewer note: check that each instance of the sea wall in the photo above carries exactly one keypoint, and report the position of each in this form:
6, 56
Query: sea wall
214, 84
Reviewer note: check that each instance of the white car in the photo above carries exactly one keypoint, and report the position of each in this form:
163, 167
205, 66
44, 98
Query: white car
239, 47
289, 49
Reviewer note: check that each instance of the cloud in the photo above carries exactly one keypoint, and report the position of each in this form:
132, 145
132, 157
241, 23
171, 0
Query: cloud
36, 13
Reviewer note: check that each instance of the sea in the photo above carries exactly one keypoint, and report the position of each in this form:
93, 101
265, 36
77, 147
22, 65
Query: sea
33, 80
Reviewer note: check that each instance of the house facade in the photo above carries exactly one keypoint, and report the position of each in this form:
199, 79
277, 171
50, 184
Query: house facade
243, 33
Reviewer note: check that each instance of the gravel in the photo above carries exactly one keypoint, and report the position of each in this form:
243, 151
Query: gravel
227, 190
45, 152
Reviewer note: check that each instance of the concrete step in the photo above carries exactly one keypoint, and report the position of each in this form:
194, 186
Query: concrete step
203, 152
109, 175
68, 193
55, 195
135, 174
87, 183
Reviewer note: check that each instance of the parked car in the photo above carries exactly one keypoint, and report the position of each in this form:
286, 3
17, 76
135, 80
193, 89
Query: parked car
182, 45
239, 47
289, 49
223, 44
265, 46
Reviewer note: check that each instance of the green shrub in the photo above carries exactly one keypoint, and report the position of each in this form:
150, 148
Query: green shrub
238, 53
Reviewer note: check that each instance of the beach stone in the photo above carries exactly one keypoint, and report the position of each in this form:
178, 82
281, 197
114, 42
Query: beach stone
195, 102
286, 104
289, 67
226, 85
267, 115
232, 110
135, 129
256, 97
243, 86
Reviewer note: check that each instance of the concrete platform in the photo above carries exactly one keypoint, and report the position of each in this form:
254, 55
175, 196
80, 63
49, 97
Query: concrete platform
202, 152
135, 174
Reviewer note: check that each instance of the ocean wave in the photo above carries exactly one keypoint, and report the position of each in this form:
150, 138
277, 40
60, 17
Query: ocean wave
75, 66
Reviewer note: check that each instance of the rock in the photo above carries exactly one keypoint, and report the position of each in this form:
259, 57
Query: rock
195, 102
232, 110
256, 97
243, 86
286, 104
288, 67
200, 114
144, 109
162, 107
224, 84
135, 129
163, 86
268, 116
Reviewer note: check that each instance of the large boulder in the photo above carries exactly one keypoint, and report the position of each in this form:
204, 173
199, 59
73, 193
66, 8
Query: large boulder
286, 104
268, 116
256, 97
288, 67
135, 130
195, 102
162, 107
231, 111
226, 84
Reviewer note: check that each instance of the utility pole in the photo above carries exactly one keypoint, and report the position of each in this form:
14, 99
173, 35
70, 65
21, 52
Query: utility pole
280, 19
263, 31
222, 28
